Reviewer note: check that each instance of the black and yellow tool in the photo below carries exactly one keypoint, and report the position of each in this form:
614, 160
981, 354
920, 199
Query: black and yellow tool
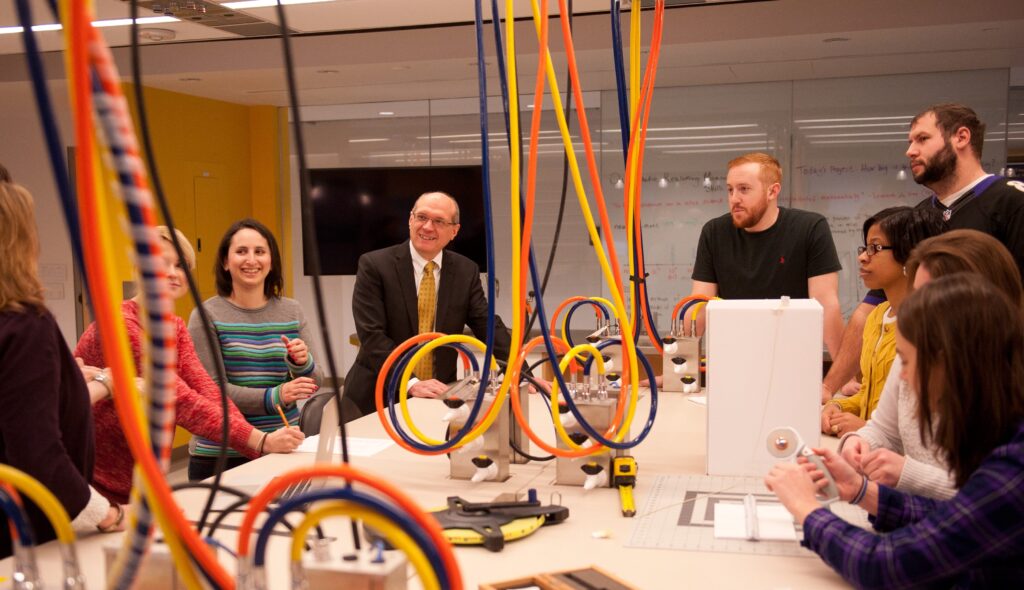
624, 478
492, 523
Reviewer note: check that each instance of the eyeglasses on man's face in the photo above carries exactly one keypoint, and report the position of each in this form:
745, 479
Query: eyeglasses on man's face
872, 249
438, 222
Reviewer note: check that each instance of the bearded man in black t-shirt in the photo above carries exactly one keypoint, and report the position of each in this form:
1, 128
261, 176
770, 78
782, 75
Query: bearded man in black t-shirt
946, 141
762, 251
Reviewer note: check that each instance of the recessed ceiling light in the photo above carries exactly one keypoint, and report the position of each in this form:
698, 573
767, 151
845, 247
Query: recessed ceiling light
117, 22
368, 140
386, 113
835, 40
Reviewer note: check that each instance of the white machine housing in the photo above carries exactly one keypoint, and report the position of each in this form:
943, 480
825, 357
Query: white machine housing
763, 369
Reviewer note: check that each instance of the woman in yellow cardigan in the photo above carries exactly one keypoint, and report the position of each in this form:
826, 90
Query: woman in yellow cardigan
889, 237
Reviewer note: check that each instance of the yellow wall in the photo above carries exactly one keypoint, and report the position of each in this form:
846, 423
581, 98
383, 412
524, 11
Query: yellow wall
218, 162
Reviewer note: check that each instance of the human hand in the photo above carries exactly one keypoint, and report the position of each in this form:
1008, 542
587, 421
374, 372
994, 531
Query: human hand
114, 521
883, 466
795, 488
428, 388
89, 372
298, 388
850, 388
541, 386
845, 422
854, 450
847, 479
297, 350
283, 440
827, 413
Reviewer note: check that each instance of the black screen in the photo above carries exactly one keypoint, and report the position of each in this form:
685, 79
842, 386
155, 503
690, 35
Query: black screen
357, 210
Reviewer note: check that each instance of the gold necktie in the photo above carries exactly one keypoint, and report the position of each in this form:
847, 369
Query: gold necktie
426, 308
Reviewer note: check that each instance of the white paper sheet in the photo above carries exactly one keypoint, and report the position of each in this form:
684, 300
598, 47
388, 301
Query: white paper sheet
774, 523
700, 400
357, 446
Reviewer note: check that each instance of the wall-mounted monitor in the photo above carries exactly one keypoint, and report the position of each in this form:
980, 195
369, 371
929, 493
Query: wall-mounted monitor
357, 210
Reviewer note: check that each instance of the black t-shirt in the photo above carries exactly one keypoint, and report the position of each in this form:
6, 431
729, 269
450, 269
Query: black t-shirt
767, 264
997, 210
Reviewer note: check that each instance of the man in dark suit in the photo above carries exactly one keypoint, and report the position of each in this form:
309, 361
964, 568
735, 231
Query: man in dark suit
389, 294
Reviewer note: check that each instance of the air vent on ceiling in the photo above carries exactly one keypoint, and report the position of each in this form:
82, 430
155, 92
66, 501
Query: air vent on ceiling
212, 15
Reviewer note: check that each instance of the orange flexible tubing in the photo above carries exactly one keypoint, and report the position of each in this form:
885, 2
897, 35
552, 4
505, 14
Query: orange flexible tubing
517, 409
382, 378
350, 474
595, 180
564, 304
531, 160
628, 346
122, 379
638, 142
684, 301
627, 343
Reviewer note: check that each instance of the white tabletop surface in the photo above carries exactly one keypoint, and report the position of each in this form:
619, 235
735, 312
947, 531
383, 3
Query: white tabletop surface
676, 445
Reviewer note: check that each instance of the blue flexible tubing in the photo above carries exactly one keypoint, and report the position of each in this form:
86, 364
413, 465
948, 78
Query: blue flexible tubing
392, 389
686, 307
572, 310
16, 514
620, 78
488, 233
372, 502
546, 333
654, 398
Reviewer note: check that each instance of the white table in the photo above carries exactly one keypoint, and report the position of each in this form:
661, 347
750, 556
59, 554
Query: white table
676, 445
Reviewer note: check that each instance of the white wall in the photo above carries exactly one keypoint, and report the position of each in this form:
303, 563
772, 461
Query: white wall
23, 152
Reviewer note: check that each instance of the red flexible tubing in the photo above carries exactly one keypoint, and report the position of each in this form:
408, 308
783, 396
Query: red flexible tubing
349, 473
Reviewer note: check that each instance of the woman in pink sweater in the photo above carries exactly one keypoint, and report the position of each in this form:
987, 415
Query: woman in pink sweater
198, 397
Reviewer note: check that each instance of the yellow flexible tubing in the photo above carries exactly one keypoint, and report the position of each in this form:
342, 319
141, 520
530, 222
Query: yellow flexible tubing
398, 538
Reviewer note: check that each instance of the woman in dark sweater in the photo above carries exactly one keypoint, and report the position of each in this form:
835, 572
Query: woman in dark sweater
45, 427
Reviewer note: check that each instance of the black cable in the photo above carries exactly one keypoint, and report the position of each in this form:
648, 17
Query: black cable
165, 210
243, 499
523, 453
311, 246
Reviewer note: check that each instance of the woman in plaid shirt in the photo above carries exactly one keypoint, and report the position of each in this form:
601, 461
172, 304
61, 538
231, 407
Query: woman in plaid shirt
962, 346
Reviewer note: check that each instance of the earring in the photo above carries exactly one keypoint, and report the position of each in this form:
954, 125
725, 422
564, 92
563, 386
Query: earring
904, 271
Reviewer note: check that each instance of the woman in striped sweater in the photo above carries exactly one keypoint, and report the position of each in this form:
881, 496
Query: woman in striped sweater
198, 407
261, 338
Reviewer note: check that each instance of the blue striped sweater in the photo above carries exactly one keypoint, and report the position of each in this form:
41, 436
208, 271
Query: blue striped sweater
255, 360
